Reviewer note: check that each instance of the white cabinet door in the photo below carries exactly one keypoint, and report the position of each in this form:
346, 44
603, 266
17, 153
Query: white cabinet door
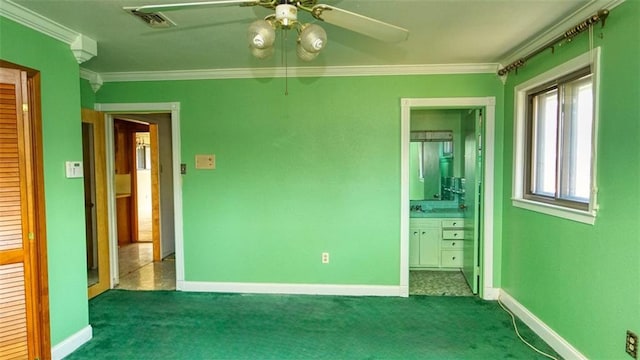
414, 247
430, 247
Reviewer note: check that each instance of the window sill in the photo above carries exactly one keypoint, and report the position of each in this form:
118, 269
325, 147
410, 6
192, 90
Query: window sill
586, 217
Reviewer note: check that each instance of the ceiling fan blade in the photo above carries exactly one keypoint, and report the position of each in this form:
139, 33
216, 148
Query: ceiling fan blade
148, 9
359, 23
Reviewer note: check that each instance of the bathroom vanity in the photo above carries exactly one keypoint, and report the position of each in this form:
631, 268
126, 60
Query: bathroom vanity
436, 191
436, 242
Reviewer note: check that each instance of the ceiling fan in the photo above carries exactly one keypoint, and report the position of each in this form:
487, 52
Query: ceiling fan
261, 33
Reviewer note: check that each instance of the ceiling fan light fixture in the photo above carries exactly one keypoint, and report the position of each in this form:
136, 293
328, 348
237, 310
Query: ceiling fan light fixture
312, 38
261, 34
286, 15
304, 54
262, 53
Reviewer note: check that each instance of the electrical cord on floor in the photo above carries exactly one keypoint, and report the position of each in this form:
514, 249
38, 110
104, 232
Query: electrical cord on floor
515, 327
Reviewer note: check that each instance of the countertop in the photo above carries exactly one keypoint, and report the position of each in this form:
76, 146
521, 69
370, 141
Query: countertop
438, 213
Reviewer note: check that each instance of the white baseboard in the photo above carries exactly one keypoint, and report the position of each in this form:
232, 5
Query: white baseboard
490, 293
293, 289
559, 344
70, 344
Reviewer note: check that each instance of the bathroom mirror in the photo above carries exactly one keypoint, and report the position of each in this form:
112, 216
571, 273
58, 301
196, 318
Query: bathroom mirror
430, 164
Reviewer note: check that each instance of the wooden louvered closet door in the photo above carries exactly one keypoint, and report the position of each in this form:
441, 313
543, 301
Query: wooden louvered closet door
19, 334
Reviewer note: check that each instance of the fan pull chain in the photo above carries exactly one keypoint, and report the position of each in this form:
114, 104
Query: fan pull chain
286, 67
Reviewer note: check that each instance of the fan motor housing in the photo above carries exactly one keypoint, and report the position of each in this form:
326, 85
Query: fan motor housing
305, 3
286, 14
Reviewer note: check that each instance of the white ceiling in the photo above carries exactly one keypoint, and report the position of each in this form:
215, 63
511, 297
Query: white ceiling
441, 32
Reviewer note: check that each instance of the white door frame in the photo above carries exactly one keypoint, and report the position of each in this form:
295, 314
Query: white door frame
487, 291
174, 108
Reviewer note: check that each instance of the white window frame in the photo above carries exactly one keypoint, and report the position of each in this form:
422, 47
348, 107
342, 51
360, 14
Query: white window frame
588, 216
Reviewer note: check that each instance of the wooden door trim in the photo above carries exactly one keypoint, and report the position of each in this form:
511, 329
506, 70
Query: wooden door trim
39, 289
133, 210
40, 229
102, 222
30, 261
155, 191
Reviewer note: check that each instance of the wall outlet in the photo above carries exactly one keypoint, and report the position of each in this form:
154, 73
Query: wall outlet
325, 257
632, 344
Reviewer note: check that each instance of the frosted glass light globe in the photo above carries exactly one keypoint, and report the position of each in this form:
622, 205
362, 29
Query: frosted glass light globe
261, 34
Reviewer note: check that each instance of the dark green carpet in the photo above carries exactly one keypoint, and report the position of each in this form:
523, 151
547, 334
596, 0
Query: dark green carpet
180, 325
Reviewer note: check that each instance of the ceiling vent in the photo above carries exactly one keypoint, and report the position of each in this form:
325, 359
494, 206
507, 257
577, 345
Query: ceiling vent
155, 20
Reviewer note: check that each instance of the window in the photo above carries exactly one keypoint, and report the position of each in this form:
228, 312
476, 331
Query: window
559, 124
143, 157
143, 151
554, 166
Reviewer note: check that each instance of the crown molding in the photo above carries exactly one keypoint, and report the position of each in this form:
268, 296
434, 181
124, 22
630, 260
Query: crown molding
93, 77
556, 30
277, 72
37, 22
83, 47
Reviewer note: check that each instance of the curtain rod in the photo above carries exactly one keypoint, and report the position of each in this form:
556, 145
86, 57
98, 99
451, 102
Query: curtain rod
568, 35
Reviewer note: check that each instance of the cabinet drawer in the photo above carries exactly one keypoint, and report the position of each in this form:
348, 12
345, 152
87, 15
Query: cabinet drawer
453, 224
423, 223
451, 244
451, 258
452, 234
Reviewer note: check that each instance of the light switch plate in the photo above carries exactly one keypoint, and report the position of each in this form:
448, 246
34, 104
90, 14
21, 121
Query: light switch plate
73, 169
205, 161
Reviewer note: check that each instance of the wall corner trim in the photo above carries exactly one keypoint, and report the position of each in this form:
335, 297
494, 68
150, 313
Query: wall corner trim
95, 80
294, 289
491, 293
557, 342
84, 48
70, 344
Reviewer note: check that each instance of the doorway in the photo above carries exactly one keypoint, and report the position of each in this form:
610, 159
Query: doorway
170, 178
437, 233
95, 200
443, 202
144, 217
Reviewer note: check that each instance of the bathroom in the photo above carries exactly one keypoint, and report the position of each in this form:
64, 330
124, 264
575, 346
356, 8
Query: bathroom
444, 187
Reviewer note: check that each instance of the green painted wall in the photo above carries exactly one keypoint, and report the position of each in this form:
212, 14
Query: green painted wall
317, 170
64, 197
581, 280
87, 96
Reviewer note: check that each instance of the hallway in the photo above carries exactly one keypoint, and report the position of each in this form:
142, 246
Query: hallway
138, 271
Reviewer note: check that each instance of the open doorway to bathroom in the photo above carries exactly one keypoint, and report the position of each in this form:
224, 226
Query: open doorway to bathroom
443, 206
447, 228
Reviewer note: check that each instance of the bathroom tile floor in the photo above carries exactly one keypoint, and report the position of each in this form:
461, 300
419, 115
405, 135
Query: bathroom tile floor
438, 283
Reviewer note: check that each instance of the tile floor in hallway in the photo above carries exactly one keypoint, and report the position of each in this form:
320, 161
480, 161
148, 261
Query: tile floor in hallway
138, 271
